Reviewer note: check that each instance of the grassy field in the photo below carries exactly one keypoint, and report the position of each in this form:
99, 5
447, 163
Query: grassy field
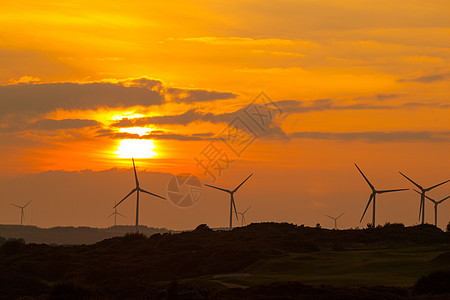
359, 267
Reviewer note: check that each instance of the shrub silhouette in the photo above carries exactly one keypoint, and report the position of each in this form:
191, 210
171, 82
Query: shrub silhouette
133, 236
203, 227
12, 246
435, 283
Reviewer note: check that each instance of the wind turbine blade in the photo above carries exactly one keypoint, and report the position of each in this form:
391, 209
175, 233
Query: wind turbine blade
132, 191
135, 174
340, 215
247, 209
429, 198
27, 204
23, 215
390, 191
420, 208
218, 188
411, 180
368, 203
367, 180
434, 186
152, 194
242, 183
440, 201
329, 217
110, 215
16, 205
121, 215
417, 191
234, 205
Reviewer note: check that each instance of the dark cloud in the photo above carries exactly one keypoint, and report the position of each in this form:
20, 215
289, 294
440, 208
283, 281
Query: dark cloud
295, 106
380, 97
103, 131
22, 104
426, 78
151, 84
157, 135
178, 137
376, 136
272, 129
204, 135
415, 105
44, 98
192, 96
49, 124
286, 107
41, 98
182, 119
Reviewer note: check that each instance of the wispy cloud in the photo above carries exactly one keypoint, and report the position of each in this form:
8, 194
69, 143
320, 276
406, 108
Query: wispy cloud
49, 124
426, 78
380, 96
288, 107
240, 41
192, 96
157, 135
376, 136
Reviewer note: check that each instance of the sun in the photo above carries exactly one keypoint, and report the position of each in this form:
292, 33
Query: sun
129, 148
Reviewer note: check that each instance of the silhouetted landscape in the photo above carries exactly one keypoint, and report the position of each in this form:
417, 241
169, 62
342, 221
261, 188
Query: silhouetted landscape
259, 261
70, 235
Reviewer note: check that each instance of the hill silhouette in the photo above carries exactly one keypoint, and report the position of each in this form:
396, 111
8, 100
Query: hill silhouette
69, 235
136, 266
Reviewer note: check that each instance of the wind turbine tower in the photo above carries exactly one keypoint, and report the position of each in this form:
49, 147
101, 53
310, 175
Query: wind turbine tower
335, 219
232, 204
22, 215
115, 214
243, 216
373, 196
422, 195
137, 189
436, 203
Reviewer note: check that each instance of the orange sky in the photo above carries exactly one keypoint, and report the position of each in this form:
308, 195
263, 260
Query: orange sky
351, 81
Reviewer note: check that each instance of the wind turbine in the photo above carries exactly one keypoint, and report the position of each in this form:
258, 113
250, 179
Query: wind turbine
372, 196
22, 215
422, 195
335, 219
232, 204
137, 189
115, 214
436, 203
243, 216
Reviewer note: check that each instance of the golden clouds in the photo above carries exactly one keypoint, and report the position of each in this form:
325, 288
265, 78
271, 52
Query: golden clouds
301, 50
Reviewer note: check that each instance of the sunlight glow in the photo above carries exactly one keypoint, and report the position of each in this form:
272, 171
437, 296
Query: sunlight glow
136, 148
136, 130
128, 115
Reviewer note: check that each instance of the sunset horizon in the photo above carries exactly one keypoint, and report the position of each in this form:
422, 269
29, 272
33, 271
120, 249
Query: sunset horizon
229, 150
295, 92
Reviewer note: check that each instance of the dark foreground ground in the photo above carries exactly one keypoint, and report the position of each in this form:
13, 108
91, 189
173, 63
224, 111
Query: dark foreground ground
260, 261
